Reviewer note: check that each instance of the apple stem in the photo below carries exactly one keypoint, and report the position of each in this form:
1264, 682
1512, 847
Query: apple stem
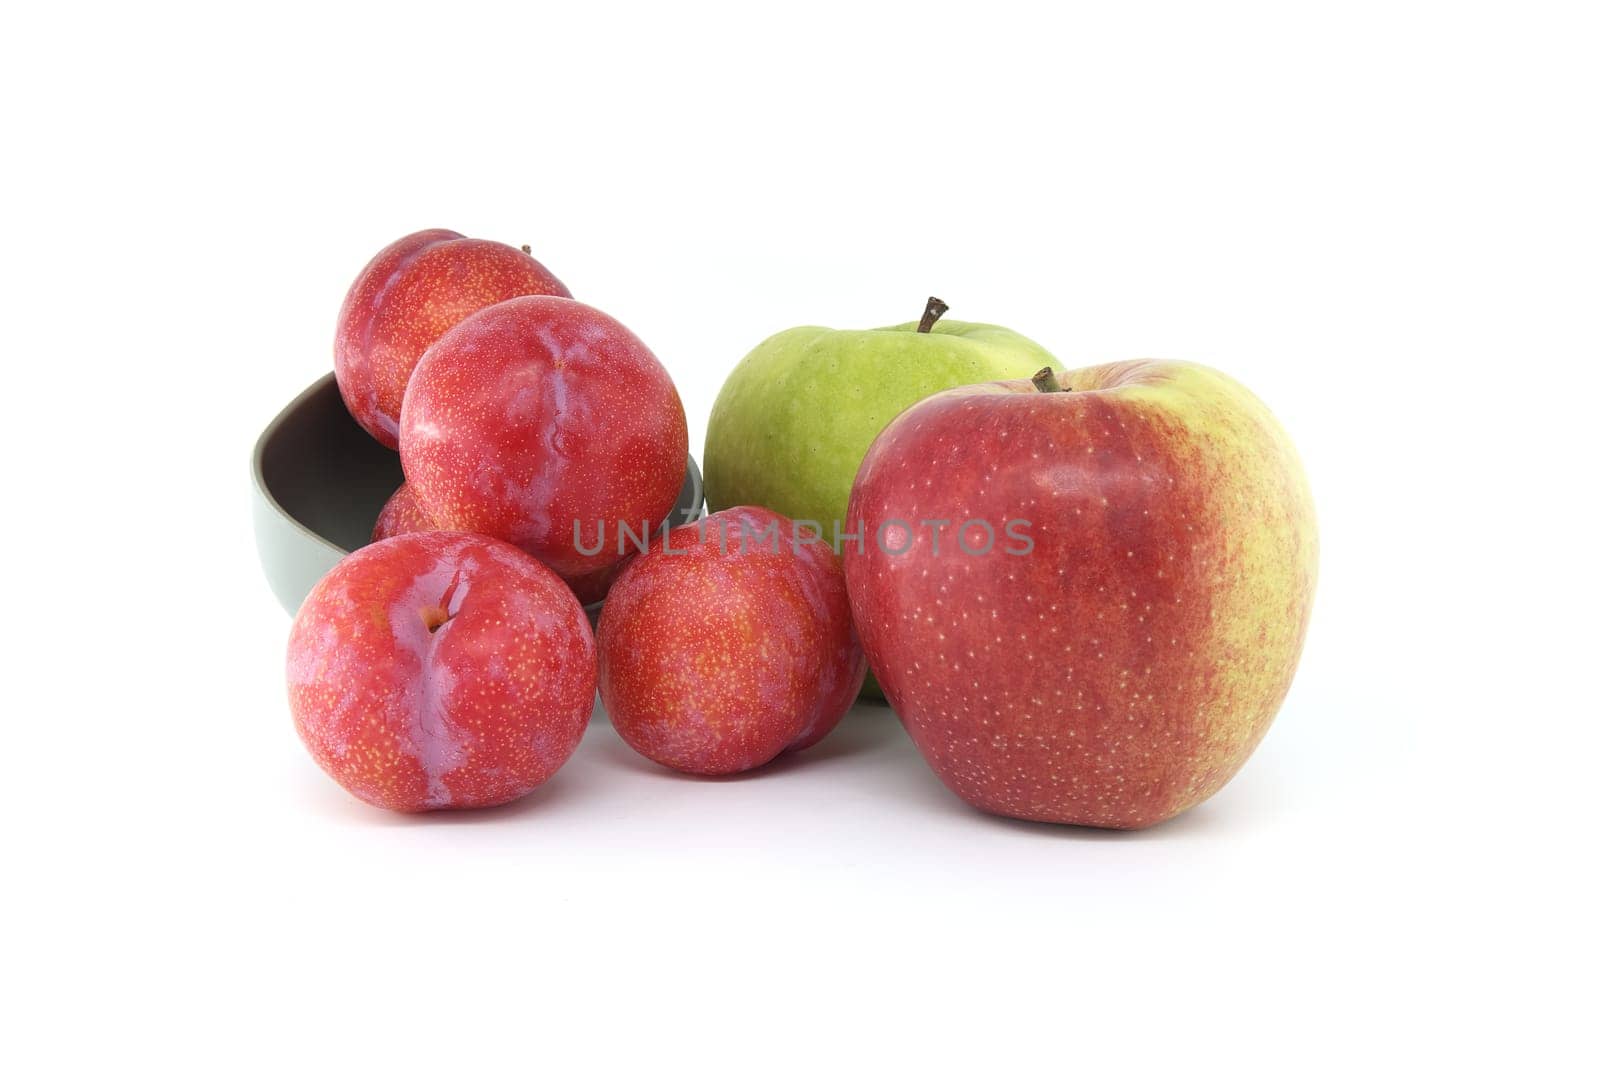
1045, 381
527, 249
932, 313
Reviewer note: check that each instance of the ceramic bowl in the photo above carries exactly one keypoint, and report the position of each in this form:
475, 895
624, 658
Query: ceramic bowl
320, 481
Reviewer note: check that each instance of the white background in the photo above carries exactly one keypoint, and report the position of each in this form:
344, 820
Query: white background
1381, 217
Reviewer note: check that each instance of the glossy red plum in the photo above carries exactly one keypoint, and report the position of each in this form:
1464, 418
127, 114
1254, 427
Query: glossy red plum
726, 645
440, 670
540, 415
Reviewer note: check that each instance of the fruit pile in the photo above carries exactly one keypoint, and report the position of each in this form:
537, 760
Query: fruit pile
1083, 592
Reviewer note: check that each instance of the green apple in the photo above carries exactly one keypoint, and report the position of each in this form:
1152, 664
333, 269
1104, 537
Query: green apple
795, 418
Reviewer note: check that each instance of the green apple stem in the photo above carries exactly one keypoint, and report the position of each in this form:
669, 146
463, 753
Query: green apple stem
1045, 381
932, 313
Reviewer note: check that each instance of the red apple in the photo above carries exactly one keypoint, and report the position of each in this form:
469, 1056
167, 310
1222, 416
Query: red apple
728, 643
405, 299
401, 514
545, 423
440, 670
1113, 643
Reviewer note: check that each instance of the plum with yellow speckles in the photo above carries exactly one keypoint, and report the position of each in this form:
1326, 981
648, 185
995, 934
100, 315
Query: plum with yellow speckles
440, 670
405, 299
728, 643
545, 423
1128, 561
401, 514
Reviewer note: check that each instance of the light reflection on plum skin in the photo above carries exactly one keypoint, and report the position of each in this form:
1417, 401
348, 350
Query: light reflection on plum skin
598, 430
441, 670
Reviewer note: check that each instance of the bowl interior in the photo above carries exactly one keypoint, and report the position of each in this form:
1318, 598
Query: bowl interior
323, 470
